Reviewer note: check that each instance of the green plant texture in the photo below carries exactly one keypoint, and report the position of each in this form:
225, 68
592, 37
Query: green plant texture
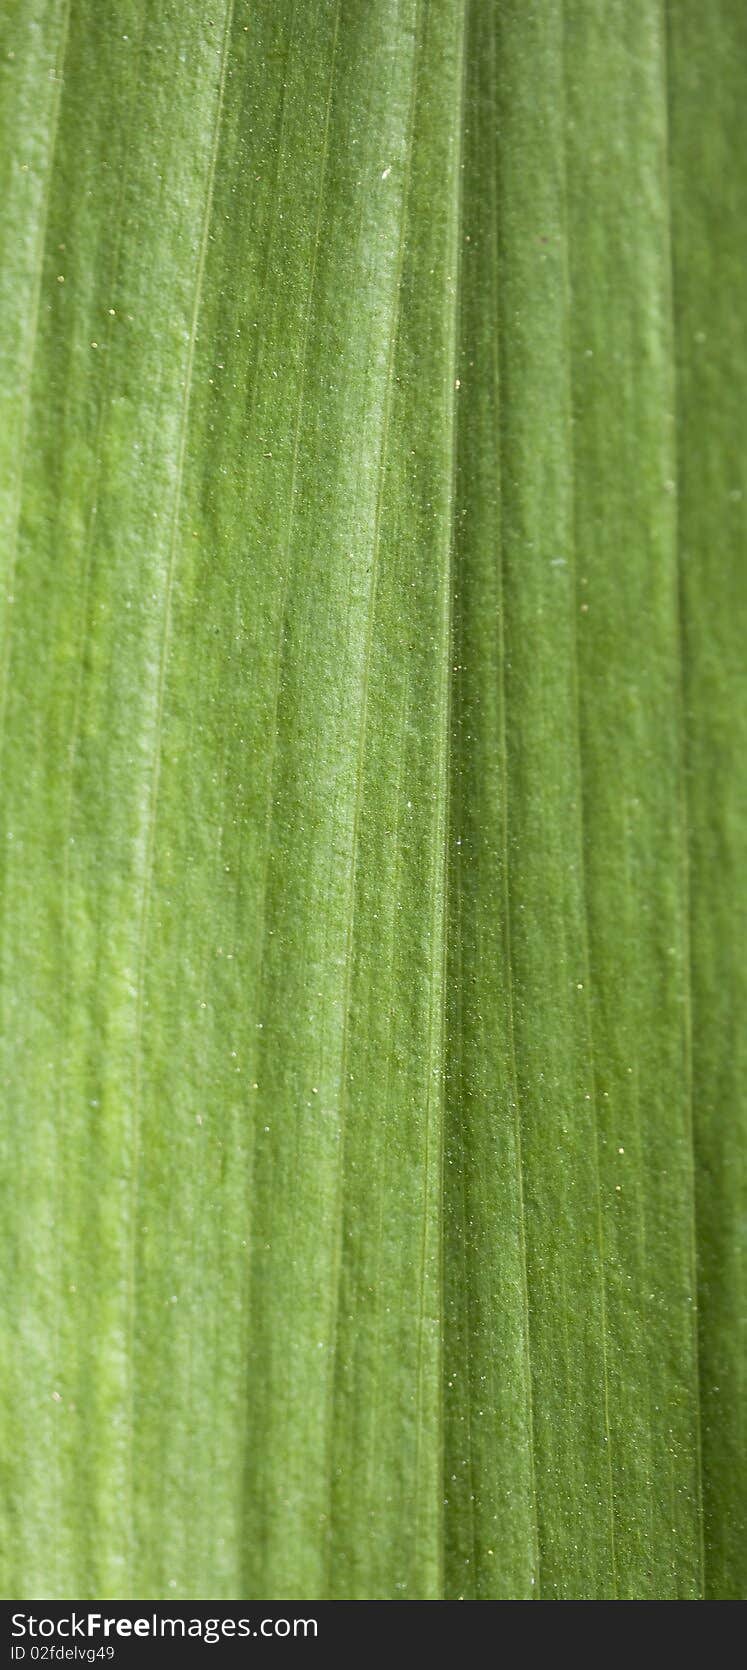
372, 846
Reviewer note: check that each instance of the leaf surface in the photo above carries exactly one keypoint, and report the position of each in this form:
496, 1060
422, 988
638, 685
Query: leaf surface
372, 832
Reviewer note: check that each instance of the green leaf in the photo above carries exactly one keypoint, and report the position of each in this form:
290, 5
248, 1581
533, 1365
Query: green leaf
373, 826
